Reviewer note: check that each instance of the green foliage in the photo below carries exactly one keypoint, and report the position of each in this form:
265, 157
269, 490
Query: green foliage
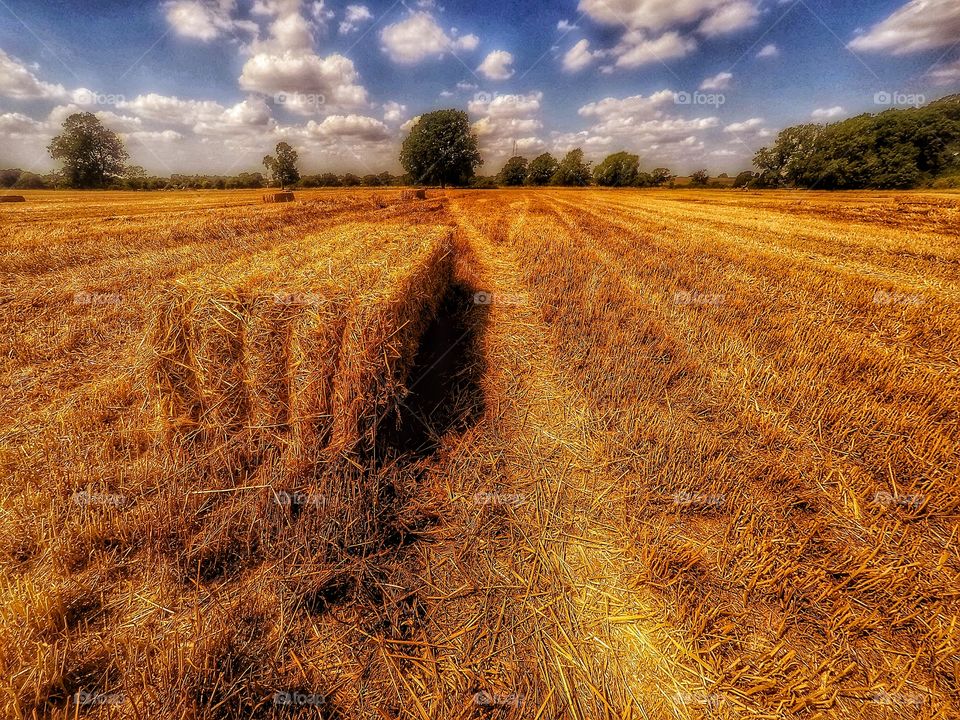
743, 179
8, 178
350, 180
514, 172
541, 169
92, 155
283, 166
572, 170
482, 182
899, 148
660, 176
619, 170
441, 149
701, 178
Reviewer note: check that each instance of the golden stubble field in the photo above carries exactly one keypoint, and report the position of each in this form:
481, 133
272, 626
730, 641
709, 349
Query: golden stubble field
510, 454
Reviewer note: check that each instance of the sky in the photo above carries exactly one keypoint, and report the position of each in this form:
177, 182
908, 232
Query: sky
212, 85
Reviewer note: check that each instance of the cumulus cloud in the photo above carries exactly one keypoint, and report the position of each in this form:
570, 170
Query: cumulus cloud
579, 56
353, 16
720, 81
769, 51
171, 110
505, 120
359, 127
393, 112
636, 48
419, 36
566, 26
332, 81
16, 125
496, 65
916, 26
16, 81
828, 113
746, 126
205, 20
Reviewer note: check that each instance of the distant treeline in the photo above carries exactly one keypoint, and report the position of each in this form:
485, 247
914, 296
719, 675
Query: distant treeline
136, 179
896, 149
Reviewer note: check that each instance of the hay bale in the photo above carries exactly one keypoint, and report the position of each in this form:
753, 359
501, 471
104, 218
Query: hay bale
315, 343
170, 368
417, 194
12, 198
380, 343
266, 348
278, 197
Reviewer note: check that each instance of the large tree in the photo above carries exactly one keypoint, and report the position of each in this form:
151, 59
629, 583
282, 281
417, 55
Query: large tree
572, 170
283, 166
441, 149
618, 170
541, 169
92, 155
514, 172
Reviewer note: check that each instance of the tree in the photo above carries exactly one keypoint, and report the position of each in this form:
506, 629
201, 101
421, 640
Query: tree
371, 180
572, 170
618, 170
91, 154
514, 172
350, 180
743, 179
700, 178
8, 178
441, 149
283, 166
660, 176
541, 169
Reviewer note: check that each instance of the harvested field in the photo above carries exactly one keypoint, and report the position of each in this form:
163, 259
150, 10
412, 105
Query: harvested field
515, 454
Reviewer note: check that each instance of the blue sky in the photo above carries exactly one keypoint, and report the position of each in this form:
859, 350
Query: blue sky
213, 85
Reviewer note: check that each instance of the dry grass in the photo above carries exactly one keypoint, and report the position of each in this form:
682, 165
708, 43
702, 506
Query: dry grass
521, 454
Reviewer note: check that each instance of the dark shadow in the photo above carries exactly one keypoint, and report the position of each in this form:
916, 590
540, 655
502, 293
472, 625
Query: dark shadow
444, 383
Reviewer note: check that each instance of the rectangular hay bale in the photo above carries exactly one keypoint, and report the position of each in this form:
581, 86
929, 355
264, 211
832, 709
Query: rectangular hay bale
278, 197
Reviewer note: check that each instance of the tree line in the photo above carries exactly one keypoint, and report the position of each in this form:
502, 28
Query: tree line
895, 149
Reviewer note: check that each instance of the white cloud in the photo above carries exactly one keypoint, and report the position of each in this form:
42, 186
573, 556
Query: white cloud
745, 126
332, 81
113, 121
353, 17
566, 26
165, 136
357, 127
636, 49
393, 112
496, 65
729, 18
418, 37
916, 26
827, 113
16, 81
713, 16
720, 81
945, 74
204, 20
769, 51
15, 125
251, 115
171, 109
505, 120
579, 56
